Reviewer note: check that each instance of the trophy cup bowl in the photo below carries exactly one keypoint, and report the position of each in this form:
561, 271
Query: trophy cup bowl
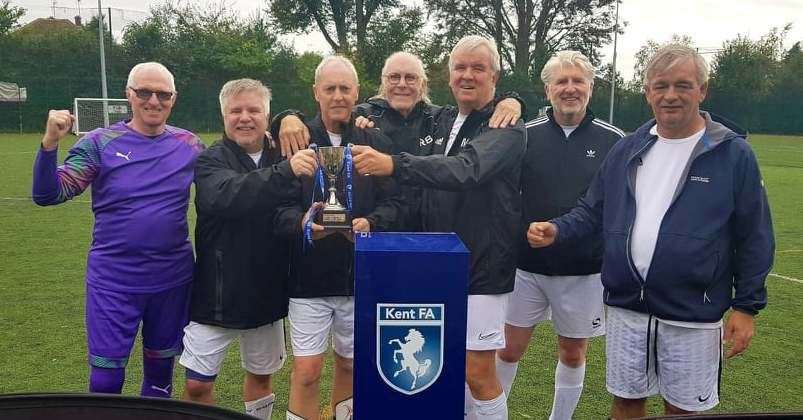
333, 215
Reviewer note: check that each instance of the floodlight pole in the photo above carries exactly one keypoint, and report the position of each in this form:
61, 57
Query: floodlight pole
613, 66
102, 66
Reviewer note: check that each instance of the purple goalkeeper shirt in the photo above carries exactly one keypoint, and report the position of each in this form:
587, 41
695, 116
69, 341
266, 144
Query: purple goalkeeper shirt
140, 194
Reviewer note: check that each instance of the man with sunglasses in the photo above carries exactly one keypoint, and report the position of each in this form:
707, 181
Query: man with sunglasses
140, 262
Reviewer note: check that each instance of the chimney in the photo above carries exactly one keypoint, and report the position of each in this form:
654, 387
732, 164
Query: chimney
77, 20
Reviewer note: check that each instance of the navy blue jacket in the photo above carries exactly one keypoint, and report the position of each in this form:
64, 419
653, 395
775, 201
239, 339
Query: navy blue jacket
715, 244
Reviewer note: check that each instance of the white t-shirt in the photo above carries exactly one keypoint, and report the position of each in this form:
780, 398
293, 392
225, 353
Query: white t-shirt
568, 129
335, 138
256, 157
656, 181
458, 122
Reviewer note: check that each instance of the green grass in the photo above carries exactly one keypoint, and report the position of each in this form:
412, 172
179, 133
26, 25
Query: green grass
42, 339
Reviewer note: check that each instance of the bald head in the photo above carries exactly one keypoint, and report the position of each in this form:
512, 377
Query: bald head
335, 61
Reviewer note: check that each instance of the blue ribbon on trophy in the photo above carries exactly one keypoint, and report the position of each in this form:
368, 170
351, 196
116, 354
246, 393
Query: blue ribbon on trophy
332, 160
349, 169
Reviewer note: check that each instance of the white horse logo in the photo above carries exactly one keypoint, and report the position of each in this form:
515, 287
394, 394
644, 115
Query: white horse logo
413, 343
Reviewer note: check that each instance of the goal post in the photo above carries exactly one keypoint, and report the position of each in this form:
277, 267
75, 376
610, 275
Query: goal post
92, 113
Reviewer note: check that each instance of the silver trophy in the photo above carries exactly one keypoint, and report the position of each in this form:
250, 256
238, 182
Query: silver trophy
333, 215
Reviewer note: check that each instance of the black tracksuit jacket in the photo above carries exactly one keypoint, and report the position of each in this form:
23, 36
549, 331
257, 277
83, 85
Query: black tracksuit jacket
327, 267
555, 173
241, 267
474, 192
410, 134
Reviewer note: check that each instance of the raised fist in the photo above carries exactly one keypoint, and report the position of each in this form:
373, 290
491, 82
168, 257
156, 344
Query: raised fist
59, 123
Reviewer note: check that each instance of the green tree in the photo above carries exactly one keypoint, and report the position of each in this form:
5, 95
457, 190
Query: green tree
206, 46
743, 76
9, 16
356, 28
527, 32
784, 113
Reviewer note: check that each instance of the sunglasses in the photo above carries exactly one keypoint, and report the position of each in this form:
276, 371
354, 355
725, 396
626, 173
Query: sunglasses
145, 94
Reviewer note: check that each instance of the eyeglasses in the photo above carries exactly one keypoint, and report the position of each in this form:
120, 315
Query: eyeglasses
145, 94
396, 78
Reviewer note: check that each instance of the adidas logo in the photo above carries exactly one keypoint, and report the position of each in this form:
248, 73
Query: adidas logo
591, 153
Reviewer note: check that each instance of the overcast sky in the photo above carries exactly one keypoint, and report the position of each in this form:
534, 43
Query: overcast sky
709, 22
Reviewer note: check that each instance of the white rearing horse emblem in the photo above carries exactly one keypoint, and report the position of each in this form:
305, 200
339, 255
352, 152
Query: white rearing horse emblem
413, 343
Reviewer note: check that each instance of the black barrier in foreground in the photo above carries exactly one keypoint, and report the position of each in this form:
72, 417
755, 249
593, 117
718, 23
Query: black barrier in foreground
732, 416
107, 407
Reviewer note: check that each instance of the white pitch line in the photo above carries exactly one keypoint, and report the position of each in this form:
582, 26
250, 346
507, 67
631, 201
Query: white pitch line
789, 251
786, 278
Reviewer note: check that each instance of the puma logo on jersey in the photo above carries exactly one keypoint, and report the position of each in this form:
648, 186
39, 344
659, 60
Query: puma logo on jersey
591, 153
126, 156
165, 390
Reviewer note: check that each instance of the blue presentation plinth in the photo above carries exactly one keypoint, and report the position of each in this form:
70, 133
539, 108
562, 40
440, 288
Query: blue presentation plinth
410, 325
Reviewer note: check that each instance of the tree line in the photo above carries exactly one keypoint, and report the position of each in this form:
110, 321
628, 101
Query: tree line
756, 83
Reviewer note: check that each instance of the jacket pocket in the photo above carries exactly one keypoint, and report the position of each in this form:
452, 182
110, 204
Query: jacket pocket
685, 261
712, 278
617, 276
218, 312
684, 279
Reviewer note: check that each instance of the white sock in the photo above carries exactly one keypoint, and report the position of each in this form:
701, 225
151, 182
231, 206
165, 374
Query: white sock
291, 416
261, 408
344, 410
568, 387
506, 373
495, 409
470, 406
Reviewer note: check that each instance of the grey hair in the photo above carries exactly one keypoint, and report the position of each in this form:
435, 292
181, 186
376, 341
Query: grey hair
567, 58
233, 88
151, 66
419, 67
336, 59
670, 55
471, 42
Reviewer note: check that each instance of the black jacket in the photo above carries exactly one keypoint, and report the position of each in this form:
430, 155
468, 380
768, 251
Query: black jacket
555, 173
241, 268
411, 134
474, 192
326, 267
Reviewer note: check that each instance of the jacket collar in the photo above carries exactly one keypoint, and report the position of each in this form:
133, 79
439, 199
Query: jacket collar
242, 156
717, 131
584, 122
320, 136
384, 106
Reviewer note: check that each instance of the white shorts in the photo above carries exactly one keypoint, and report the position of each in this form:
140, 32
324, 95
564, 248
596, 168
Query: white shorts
646, 356
574, 303
485, 326
311, 320
262, 349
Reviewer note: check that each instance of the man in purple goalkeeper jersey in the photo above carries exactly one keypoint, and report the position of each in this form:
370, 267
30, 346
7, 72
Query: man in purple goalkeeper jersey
140, 263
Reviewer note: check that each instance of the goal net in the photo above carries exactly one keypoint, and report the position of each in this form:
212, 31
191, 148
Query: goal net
92, 113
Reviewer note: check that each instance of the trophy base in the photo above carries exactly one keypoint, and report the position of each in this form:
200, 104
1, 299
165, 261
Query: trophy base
334, 220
